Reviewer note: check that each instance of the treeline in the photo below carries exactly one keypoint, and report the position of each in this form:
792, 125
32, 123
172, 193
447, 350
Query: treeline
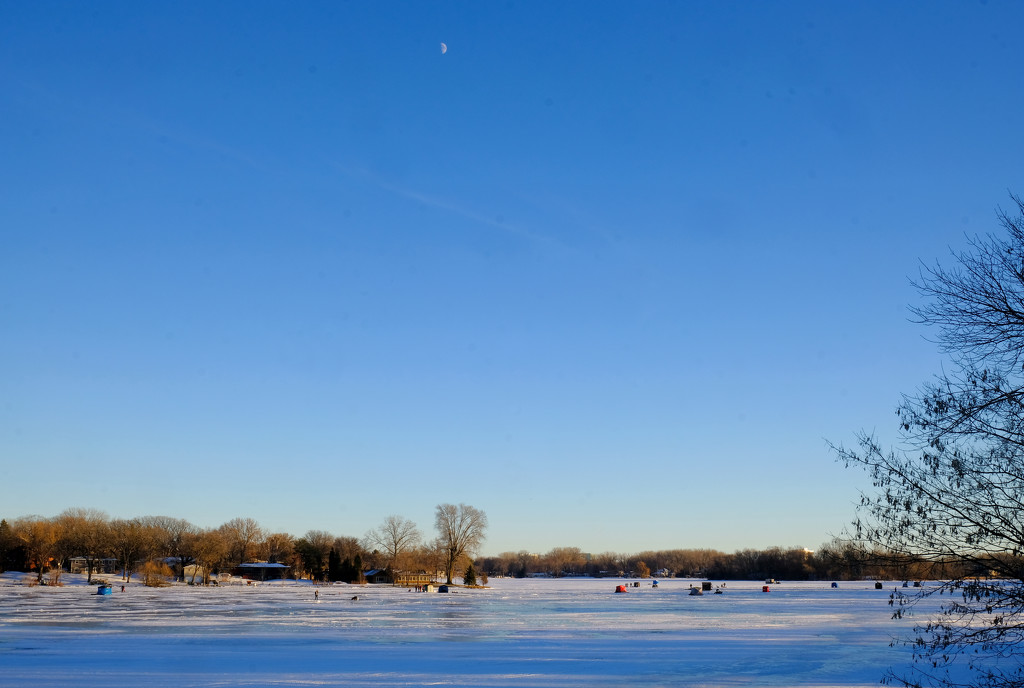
47, 545
837, 560
792, 564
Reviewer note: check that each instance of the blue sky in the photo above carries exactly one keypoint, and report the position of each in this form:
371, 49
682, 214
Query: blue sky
611, 272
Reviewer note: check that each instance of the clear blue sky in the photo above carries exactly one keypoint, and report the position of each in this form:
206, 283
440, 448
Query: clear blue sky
611, 272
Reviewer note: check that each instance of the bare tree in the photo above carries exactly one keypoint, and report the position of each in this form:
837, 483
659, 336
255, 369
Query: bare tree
242, 536
40, 536
211, 550
131, 542
314, 547
348, 547
396, 537
460, 531
953, 493
174, 539
86, 534
279, 547
429, 557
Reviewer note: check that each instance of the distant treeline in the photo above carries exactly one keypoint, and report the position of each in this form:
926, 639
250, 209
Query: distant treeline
837, 560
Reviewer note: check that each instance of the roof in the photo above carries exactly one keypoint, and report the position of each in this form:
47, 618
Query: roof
262, 565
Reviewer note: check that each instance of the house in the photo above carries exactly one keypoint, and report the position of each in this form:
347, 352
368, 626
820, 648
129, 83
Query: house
260, 570
409, 579
80, 565
377, 576
405, 579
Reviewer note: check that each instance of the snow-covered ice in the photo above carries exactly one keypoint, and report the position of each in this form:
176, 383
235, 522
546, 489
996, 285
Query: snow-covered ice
534, 632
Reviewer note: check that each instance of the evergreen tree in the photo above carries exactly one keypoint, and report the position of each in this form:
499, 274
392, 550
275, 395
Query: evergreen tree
469, 577
333, 566
6, 543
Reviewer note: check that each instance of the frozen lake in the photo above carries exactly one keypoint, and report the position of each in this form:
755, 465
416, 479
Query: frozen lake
539, 632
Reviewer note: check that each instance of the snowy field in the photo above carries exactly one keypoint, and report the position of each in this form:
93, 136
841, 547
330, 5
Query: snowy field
539, 632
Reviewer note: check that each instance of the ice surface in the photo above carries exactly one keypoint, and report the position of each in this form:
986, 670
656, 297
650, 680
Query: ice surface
535, 632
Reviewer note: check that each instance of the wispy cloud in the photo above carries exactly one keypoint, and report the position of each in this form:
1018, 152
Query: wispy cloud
115, 115
448, 206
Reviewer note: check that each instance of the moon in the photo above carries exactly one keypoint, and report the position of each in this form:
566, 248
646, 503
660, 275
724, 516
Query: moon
444, 48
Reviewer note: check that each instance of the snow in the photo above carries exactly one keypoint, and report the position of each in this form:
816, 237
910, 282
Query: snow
535, 632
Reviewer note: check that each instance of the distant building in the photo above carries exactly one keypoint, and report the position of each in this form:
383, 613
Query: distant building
401, 578
79, 565
377, 576
260, 571
408, 579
